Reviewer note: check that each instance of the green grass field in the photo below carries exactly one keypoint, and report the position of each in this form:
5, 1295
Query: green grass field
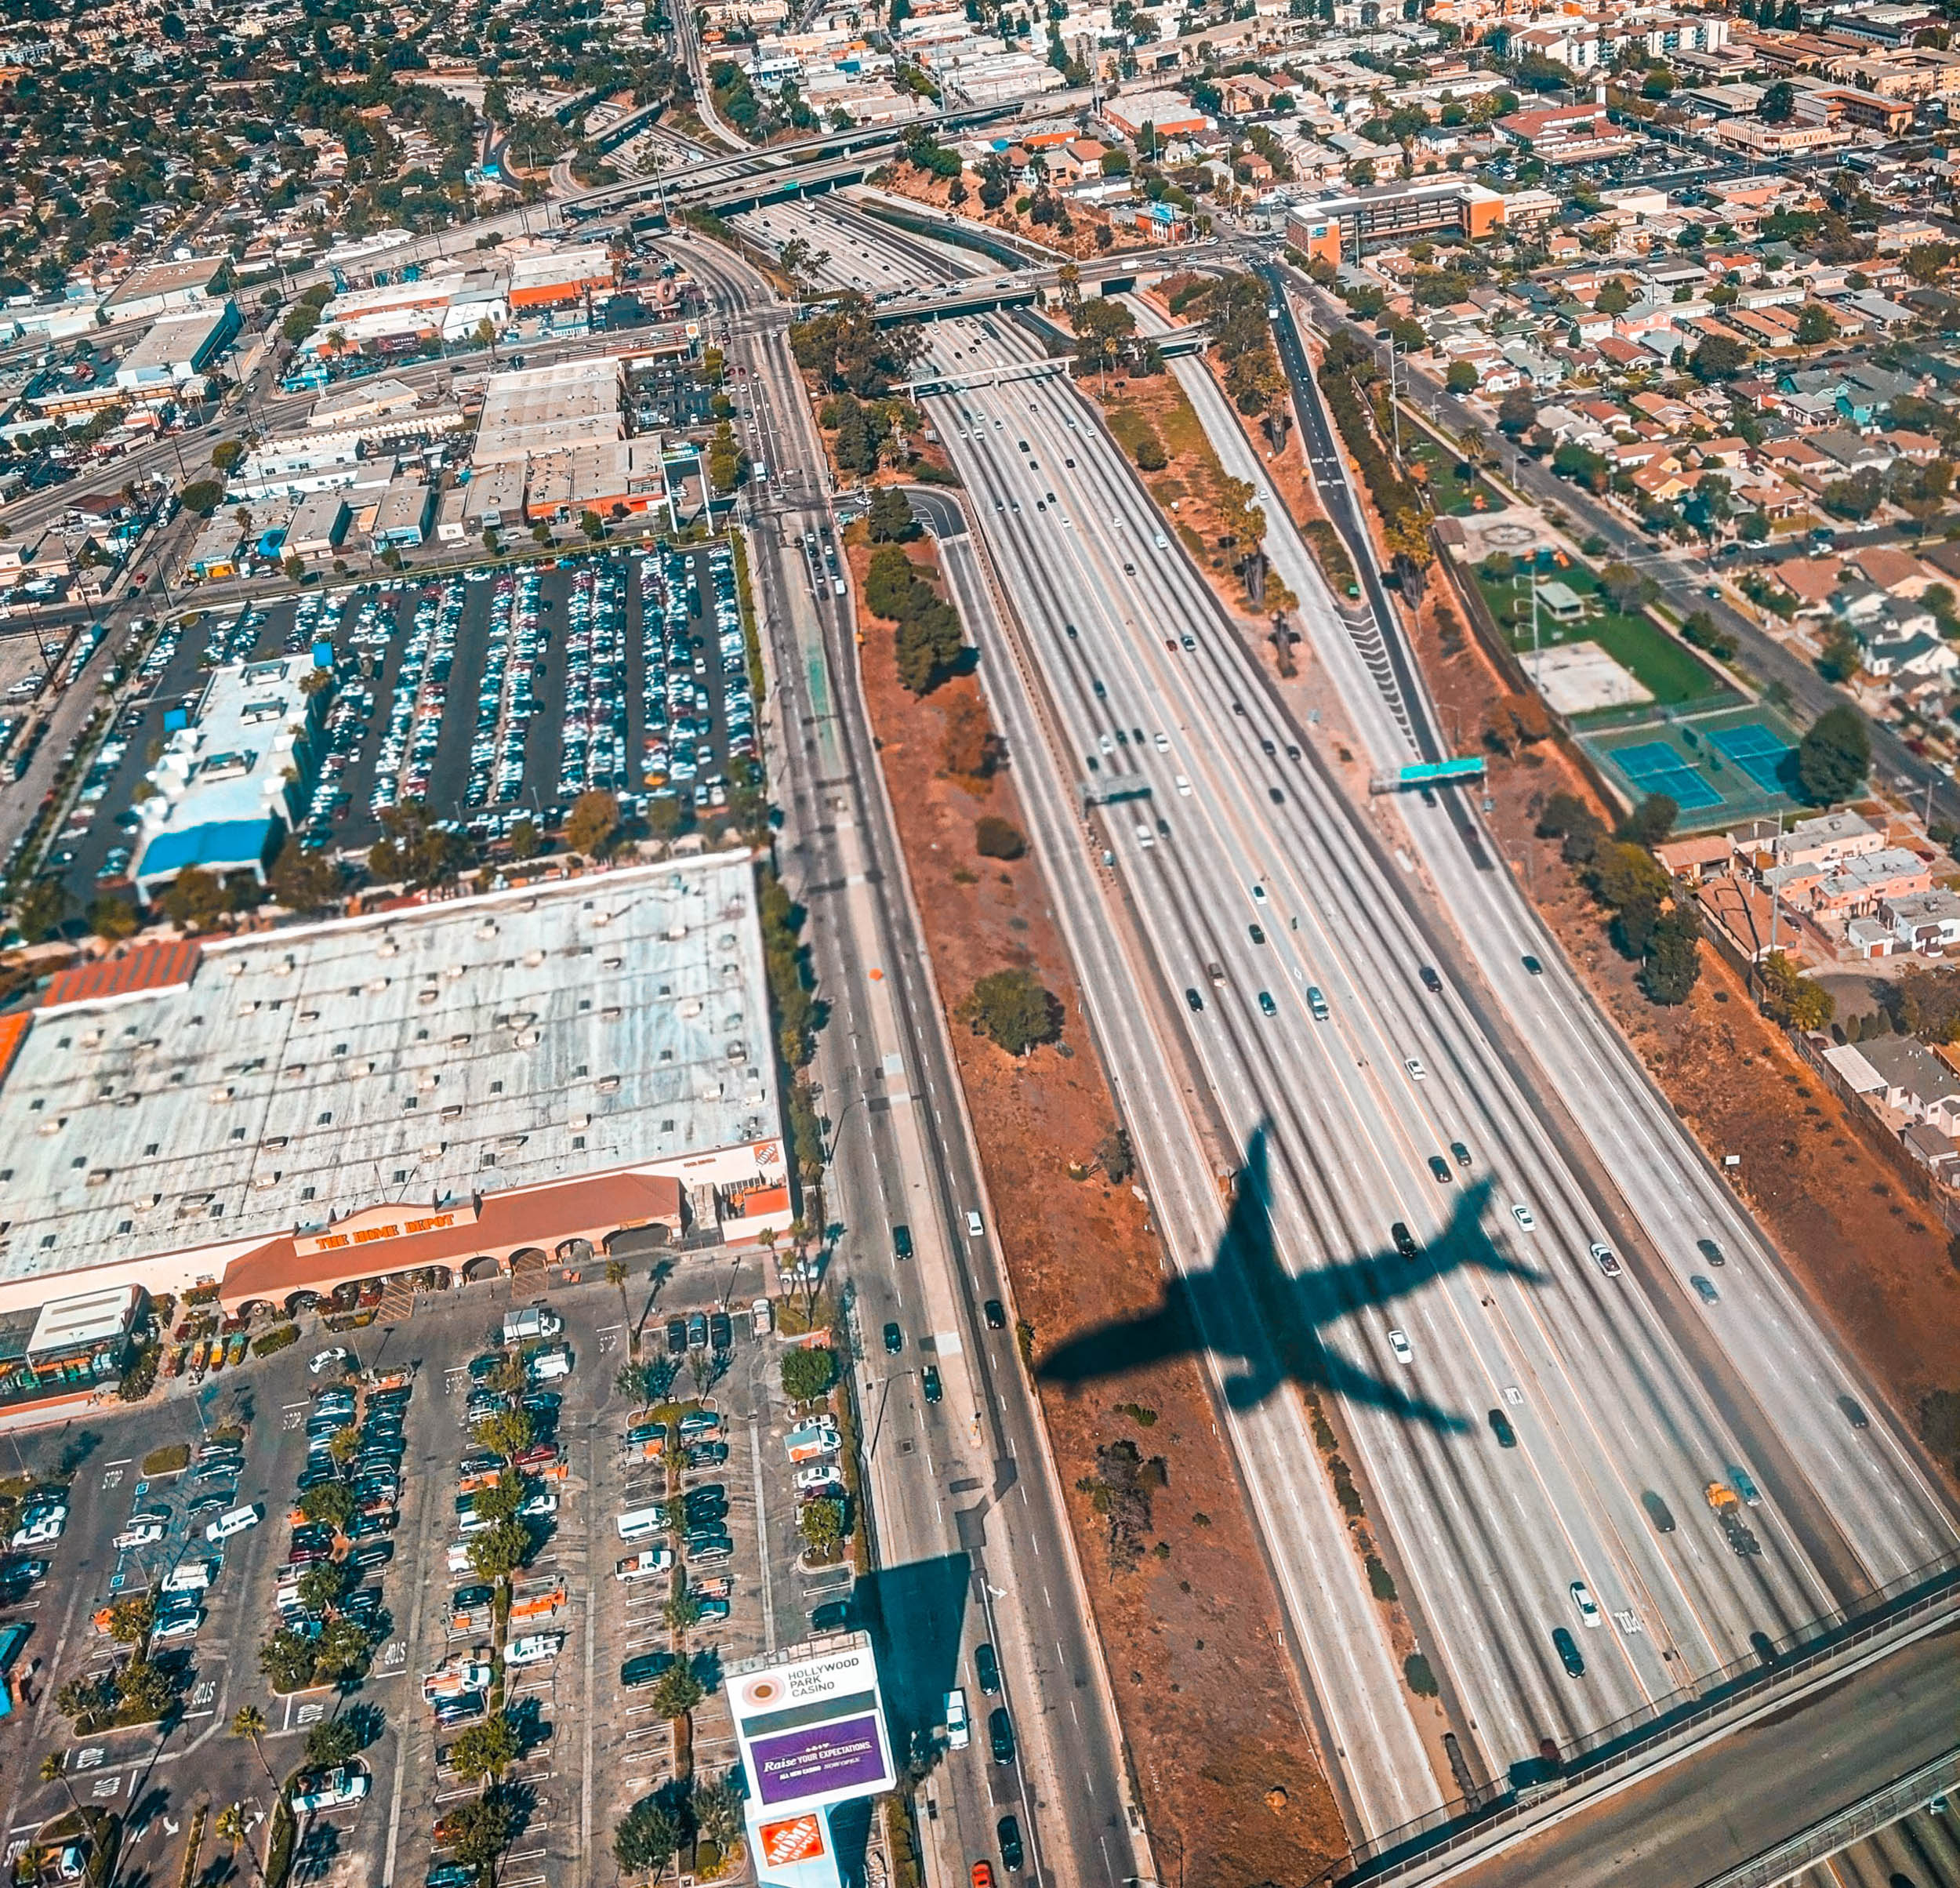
1454, 497
1674, 672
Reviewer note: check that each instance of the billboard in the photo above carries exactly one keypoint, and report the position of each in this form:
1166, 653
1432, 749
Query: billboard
810, 1727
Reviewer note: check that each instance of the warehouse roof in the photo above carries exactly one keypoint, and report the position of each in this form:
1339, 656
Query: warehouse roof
475, 1046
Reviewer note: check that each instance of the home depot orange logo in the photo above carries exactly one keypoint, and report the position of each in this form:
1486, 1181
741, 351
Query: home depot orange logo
799, 1839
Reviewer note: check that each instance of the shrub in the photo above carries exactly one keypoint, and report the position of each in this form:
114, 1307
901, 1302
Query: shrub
276, 1339
1422, 1681
994, 838
1013, 1011
169, 1460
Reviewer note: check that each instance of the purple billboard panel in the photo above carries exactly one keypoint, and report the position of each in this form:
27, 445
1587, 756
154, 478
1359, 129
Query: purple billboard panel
844, 1755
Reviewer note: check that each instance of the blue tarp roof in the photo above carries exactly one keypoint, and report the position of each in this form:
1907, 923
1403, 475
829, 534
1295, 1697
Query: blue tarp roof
224, 845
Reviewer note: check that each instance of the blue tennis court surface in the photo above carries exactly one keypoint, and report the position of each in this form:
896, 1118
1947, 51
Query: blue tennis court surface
1758, 750
1655, 767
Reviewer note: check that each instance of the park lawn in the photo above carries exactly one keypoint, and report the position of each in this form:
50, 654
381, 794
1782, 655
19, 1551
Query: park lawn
1672, 671
1454, 497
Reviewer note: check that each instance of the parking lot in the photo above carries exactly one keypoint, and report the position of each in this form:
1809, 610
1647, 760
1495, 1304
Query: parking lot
592, 1743
496, 694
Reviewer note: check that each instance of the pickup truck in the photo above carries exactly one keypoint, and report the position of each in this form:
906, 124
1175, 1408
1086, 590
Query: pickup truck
471, 1673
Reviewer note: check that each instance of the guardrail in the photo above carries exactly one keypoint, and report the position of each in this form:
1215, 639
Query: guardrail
1415, 1848
1854, 1822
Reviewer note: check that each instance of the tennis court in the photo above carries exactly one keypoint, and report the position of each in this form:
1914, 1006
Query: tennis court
1759, 751
1654, 766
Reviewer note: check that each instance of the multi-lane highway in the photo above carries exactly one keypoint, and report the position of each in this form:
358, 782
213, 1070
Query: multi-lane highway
973, 1539
1251, 879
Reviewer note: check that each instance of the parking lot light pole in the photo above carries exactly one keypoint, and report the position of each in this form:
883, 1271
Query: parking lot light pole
877, 1426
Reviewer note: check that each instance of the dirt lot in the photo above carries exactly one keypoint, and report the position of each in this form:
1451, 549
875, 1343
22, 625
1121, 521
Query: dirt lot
1213, 1726
1871, 1255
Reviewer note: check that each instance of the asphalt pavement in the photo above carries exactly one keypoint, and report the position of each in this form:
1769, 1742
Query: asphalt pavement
1264, 872
963, 1501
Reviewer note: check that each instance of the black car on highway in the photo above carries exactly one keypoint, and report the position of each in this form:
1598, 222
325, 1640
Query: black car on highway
1001, 1734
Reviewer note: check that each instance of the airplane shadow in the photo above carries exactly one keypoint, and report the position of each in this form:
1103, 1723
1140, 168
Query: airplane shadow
1248, 1309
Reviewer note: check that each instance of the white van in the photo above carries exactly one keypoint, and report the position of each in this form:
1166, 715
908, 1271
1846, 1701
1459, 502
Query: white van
640, 1524
958, 1732
234, 1521
192, 1577
549, 1365
532, 1321
974, 1227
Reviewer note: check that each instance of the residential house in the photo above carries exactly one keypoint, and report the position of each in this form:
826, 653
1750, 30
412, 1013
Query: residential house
1927, 922
1901, 1076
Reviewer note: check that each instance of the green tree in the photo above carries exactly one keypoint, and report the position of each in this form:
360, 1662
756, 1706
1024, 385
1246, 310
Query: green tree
498, 1552
677, 1690
195, 899
1930, 1002
114, 919
332, 1502
1792, 999
1674, 963
589, 827
500, 1502
332, 1742
232, 1828
202, 495
131, 1619
507, 1433
324, 1585
303, 881
1778, 104
41, 909
485, 1751
808, 1373
890, 518
1814, 325
645, 1839
1626, 880
1835, 755
54, 1768
413, 847
681, 1613
1517, 411
484, 1828
1013, 1010
592, 525
286, 1659
248, 1721
1718, 358
1461, 378
821, 1524
1650, 822
341, 1651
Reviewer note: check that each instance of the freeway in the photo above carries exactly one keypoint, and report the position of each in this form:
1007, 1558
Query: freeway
1250, 877
965, 1502
1682, 586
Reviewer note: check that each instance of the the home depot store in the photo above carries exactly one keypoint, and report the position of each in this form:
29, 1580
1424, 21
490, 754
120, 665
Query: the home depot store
453, 1090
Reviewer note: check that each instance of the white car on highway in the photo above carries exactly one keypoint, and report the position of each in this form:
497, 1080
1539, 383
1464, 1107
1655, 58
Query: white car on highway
1417, 1072
1398, 1343
1522, 1213
1582, 1598
1603, 1257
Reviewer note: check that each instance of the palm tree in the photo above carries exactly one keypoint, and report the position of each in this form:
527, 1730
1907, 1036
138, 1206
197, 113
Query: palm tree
231, 1827
616, 1276
249, 1721
54, 1768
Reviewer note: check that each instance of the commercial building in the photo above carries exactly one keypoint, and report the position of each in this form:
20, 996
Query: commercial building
224, 788
561, 278
177, 349
318, 527
1338, 229
402, 519
449, 1092
67, 1347
543, 410
166, 288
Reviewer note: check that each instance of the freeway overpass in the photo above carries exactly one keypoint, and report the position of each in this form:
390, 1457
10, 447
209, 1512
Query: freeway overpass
1024, 288
707, 178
